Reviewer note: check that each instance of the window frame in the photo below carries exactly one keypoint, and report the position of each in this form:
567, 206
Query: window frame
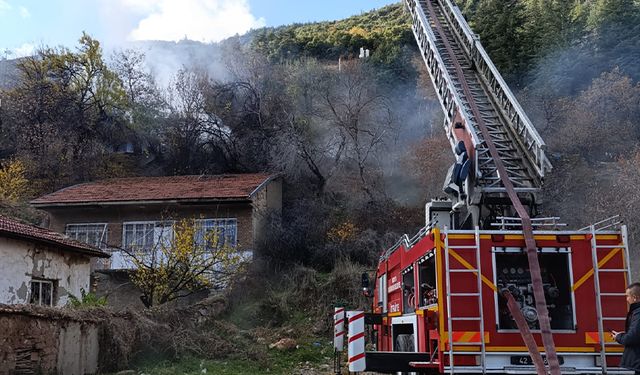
102, 243
201, 226
165, 223
41, 282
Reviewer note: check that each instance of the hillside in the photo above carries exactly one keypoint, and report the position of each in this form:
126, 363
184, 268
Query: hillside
565, 44
381, 30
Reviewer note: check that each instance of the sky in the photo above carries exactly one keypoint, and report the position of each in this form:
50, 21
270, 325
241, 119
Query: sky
27, 24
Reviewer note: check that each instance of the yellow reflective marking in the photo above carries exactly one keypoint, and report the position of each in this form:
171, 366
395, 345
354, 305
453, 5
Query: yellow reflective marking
601, 263
466, 348
440, 270
550, 237
576, 349
470, 267
594, 338
397, 313
461, 236
607, 236
466, 337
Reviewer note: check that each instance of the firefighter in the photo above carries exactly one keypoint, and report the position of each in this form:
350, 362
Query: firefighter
630, 338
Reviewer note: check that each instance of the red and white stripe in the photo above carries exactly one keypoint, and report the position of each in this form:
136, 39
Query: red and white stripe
338, 329
355, 349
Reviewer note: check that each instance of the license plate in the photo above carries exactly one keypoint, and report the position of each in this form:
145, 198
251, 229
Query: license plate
525, 360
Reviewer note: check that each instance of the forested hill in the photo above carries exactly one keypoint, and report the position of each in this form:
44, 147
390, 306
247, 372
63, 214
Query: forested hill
386, 32
564, 44
383, 31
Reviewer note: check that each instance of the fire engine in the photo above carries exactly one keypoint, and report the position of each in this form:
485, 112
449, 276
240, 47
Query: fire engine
486, 286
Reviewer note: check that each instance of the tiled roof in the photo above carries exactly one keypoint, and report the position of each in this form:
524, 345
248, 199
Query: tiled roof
16, 229
204, 187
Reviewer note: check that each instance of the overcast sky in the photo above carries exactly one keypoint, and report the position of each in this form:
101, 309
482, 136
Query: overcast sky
25, 24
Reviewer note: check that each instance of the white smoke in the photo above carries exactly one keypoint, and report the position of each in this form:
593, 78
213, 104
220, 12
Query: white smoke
174, 20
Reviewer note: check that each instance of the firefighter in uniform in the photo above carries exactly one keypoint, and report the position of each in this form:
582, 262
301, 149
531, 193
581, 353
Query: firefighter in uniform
630, 338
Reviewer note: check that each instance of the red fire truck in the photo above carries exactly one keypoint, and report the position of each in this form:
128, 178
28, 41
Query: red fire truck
485, 286
438, 306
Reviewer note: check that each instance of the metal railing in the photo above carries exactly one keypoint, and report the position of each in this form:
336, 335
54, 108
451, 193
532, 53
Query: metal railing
612, 223
521, 127
448, 96
407, 241
506, 223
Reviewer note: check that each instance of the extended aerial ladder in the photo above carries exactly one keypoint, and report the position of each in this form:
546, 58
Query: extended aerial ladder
482, 112
500, 159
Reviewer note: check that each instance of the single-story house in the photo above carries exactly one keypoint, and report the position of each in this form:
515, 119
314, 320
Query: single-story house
40, 266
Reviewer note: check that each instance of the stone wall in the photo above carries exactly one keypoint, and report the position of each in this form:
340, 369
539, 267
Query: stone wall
35, 341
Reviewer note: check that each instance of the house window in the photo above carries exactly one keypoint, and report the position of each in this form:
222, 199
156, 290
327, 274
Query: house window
92, 233
226, 231
147, 235
41, 293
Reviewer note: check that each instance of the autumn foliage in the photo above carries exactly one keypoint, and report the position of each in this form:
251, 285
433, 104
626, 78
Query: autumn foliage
13, 183
189, 262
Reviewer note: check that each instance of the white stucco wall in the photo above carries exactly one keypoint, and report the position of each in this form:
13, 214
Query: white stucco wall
21, 262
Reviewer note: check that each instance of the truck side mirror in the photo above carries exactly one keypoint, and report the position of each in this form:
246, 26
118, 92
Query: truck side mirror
365, 280
365, 285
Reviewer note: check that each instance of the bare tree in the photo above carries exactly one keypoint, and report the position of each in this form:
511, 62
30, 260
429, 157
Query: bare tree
362, 114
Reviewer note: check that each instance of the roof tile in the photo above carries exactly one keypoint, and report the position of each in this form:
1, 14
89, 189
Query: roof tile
31, 232
215, 187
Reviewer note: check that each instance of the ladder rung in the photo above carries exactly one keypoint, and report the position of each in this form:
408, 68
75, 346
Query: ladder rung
467, 343
463, 270
463, 247
612, 294
609, 246
613, 270
613, 318
464, 294
465, 318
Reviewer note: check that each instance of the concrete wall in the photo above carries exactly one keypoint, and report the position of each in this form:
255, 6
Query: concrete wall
122, 294
24, 261
265, 202
40, 344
